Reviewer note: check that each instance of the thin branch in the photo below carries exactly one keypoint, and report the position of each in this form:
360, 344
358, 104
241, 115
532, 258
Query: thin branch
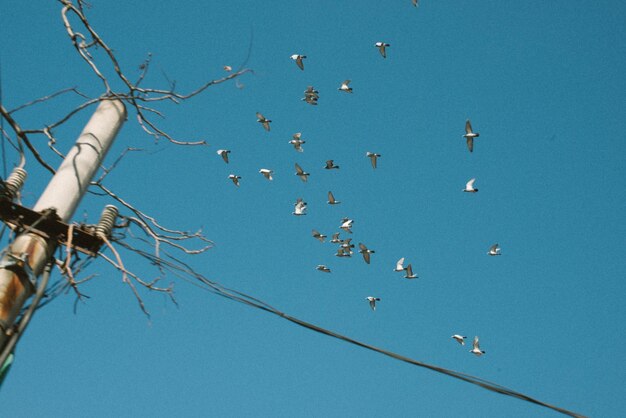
120, 266
48, 97
21, 135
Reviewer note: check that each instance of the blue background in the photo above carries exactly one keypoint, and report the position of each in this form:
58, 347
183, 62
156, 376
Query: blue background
543, 83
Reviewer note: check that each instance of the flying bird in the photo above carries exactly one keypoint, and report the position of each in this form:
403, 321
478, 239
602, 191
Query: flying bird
476, 350
344, 252
372, 301
335, 238
299, 211
330, 165
331, 199
345, 87
267, 173
323, 268
381, 48
459, 338
299, 207
346, 225
470, 135
311, 96
416, 3
469, 187
399, 265
409, 273
318, 236
311, 92
347, 244
224, 154
365, 252
263, 121
494, 250
228, 68
373, 157
310, 100
297, 142
235, 179
298, 59
301, 173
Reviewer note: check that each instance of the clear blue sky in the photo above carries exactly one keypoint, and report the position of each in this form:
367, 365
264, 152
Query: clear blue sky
543, 83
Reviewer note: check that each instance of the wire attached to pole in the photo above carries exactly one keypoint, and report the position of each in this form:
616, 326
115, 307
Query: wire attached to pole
182, 270
18, 331
2, 141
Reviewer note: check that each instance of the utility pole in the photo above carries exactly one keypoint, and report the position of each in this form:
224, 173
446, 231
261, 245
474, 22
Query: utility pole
40, 229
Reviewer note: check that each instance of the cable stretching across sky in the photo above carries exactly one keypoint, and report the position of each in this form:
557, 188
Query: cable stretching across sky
186, 273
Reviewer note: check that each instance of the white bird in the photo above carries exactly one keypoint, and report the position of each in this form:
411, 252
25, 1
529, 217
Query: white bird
299, 211
494, 250
476, 350
470, 135
227, 68
469, 187
235, 179
297, 141
267, 173
331, 199
301, 173
335, 238
373, 157
330, 165
459, 338
263, 121
381, 47
318, 236
345, 87
346, 225
298, 59
372, 301
409, 273
299, 207
224, 154
323, 268
366, 252
399, 265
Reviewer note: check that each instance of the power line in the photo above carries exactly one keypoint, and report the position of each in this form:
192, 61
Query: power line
4, 152
185, 272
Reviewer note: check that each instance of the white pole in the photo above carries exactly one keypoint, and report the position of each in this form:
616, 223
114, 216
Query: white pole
63, 194
73, 176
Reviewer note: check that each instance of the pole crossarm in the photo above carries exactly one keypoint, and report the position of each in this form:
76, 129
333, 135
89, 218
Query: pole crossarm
84, 238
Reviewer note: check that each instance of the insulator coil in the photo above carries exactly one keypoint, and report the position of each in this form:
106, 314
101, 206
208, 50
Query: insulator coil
14, 183
107, 221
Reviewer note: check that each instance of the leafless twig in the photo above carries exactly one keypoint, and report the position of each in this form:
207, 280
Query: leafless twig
146, 101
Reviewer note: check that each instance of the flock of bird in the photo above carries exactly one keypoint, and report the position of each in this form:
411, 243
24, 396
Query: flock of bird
345, 245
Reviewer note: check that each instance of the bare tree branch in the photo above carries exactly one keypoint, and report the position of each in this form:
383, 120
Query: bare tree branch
48, 97
137, 225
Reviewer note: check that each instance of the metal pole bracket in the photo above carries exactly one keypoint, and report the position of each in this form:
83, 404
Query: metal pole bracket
84, 237
19, 265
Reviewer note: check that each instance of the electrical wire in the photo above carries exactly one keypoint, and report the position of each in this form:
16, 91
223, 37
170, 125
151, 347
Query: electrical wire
19, 331
2, 142
3, 147
185, 272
